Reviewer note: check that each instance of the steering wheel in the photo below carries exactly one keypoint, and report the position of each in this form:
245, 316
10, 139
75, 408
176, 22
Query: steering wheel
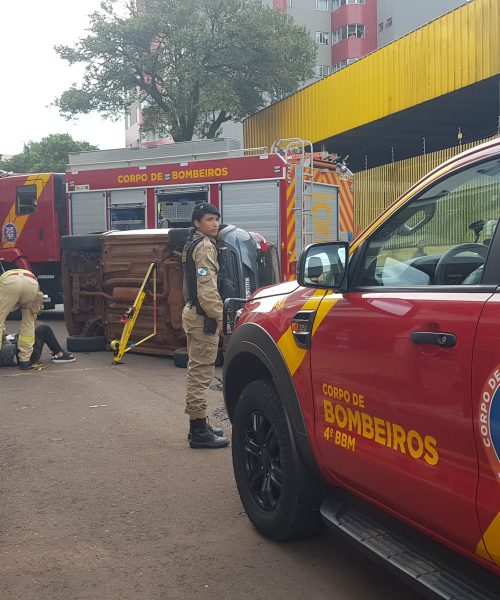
440, 274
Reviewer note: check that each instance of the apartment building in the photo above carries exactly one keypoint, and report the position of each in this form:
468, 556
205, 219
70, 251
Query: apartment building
346, 30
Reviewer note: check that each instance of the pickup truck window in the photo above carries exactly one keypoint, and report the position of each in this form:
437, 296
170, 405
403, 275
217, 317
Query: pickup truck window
441, 237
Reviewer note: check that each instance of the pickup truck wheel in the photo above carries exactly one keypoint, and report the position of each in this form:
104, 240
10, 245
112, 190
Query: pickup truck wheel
181, 358
279, 495
84, 241
75, 343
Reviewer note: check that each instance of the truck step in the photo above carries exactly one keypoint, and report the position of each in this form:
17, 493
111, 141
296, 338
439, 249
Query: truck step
427, 566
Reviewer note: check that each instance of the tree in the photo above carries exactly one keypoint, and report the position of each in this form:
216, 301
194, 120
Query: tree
50, 154
195, 65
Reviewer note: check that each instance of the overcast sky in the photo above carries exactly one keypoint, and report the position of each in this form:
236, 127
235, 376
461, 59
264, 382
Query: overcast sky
33, 75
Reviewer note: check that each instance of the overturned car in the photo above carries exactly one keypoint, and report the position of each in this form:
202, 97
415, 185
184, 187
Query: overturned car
102, 274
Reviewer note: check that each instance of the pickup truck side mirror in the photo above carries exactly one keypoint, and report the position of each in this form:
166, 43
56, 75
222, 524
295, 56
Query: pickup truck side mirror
324, 265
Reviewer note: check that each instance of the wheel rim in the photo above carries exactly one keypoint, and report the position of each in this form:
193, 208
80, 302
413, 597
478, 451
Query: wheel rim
262, 466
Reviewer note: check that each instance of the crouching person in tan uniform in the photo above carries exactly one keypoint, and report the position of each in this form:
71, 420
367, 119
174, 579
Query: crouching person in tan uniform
202, 322
19, 289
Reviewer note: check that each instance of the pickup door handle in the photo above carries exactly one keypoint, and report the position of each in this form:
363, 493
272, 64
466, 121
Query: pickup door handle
430, 337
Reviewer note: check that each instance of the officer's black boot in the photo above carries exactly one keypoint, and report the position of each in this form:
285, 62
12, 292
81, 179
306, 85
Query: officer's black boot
201, 435
217, 430
24, 365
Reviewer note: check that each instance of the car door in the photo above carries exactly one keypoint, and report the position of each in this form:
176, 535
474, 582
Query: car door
392, 360
486, 412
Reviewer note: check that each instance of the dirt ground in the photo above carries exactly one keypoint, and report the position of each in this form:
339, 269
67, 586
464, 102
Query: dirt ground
101, 498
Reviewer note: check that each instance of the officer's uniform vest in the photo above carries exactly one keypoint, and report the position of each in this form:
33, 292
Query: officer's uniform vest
189, 272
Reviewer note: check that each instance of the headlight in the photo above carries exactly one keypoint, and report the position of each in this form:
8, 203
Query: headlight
237, 316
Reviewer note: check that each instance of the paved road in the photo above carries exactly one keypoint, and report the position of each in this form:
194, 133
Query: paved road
101, 498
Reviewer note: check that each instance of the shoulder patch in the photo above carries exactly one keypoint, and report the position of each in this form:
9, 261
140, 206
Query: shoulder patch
201, 271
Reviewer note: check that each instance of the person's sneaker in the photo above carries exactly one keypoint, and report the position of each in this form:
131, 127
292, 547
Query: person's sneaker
65, 358
215, 430
204, 437
24, 365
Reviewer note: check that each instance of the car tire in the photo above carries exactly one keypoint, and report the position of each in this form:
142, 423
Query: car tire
83, 242
279, 495
15, 315
219, 361
181, 358
76, 343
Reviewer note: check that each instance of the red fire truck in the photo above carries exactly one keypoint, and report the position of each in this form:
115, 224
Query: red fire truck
276, 193
33, 219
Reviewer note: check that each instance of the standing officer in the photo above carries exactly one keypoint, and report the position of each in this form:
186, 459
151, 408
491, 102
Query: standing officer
19, 288
202, 322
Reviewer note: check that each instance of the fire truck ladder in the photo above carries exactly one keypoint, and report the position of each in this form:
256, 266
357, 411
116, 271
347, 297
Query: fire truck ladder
300, 152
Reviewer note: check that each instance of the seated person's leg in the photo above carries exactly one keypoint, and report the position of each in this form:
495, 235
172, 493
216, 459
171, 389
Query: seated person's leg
45, 335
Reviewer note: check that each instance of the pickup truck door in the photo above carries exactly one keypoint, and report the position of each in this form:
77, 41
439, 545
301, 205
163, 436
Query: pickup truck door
486, 411
392, 360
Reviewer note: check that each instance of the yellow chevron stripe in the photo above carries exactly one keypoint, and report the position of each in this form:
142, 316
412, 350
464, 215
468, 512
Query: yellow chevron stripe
292, 354
19, 221
489, 547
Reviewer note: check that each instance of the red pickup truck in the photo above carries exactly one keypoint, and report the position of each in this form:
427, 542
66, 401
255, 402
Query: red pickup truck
365, 395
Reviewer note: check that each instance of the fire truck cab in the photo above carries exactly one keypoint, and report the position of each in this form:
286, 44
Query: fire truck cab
33, 219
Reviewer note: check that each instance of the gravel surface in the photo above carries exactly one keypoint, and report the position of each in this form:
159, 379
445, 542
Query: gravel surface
101, 497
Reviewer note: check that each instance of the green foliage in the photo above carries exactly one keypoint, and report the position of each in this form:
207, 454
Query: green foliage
195, 65
50, 154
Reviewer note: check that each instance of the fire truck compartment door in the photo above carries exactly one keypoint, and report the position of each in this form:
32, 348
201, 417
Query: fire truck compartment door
324, 213
252, 205
135, 197
88, 212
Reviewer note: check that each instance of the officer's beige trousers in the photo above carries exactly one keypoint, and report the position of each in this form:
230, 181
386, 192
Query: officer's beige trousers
202, 351
19, 290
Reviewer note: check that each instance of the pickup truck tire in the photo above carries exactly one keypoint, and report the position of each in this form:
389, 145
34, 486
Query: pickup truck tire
279, 495
75, 343
85, 241
181, 358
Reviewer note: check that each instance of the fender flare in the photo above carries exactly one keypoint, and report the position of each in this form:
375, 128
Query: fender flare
15, 256
252, 339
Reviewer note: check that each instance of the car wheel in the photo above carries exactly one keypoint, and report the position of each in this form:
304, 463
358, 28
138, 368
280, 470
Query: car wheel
76, 343
15, 315
181, 358
279, 495
84, 241
219, 361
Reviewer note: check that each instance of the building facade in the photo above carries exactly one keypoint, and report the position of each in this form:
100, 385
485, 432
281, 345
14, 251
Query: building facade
346, 30
396, 18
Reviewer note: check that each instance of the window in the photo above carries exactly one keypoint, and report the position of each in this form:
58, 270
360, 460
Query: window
440, 238
348, 31
322, 5
343, 63
339, 3
322, 70
388, 23
323, 38
25, 199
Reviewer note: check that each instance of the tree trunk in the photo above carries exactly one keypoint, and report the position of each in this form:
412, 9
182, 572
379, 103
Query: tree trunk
212, 130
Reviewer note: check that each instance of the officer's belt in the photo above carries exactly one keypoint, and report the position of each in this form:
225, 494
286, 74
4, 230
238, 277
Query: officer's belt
8, 273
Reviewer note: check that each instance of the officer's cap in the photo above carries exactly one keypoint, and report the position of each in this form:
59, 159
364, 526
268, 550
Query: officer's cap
204, 209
